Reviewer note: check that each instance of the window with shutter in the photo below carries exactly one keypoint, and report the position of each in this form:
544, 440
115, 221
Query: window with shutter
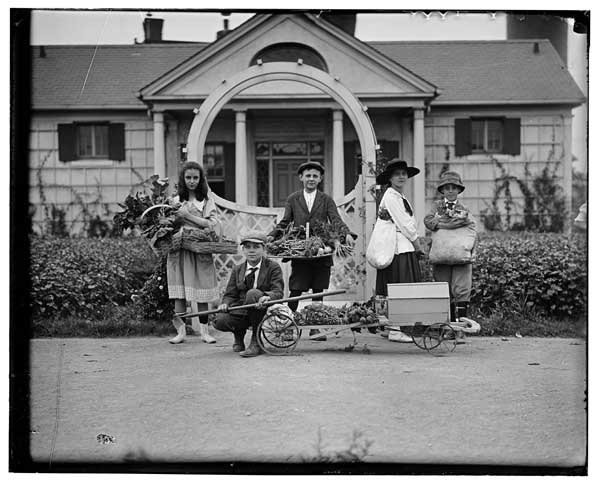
487, 135
91, 141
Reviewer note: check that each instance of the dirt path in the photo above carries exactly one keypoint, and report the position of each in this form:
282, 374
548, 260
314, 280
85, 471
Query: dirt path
516, 402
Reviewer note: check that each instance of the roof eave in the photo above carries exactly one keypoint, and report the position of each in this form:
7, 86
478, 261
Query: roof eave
571, 101
71, 107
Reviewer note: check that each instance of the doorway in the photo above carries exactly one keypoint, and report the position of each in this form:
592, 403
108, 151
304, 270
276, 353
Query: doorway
277, 168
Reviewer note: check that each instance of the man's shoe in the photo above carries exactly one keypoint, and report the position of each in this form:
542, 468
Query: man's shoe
399, 336
238, 342
318, 339
252, 351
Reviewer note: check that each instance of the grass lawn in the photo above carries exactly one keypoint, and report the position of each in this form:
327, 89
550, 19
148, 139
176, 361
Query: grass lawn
123, 322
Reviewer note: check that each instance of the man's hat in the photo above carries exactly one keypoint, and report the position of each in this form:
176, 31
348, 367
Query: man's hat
451, 177
254, 236
392, 166
311, 165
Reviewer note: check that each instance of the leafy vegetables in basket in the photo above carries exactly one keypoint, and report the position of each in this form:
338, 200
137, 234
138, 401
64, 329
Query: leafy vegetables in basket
322, 241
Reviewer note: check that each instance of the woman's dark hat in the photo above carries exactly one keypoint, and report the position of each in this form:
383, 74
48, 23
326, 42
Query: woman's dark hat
451, 177
311, 165
392, 166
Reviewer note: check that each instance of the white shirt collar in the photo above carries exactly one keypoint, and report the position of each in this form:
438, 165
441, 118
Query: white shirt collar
310, 195
248, 267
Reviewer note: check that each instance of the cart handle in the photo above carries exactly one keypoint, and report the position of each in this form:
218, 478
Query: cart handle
266, 304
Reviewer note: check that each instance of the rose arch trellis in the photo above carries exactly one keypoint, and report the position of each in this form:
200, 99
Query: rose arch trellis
362, 207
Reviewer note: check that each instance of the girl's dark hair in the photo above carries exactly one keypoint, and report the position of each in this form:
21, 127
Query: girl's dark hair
201, 190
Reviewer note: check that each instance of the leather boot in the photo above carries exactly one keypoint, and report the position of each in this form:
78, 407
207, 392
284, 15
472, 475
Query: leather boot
179, 324
254, 349
453, 317
461, 311
238, 341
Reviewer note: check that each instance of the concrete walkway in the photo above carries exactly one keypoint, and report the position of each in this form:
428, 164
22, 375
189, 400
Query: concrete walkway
492, 401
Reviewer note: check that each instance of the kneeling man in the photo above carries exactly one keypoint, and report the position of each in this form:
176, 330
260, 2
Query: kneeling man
256, 280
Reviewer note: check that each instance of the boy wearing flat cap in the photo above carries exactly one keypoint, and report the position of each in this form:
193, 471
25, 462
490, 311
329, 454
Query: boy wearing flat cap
310, 205
449, 213
257, 280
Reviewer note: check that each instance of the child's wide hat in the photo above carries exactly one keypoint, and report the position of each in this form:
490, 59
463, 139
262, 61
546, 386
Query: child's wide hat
451, 177
392, 166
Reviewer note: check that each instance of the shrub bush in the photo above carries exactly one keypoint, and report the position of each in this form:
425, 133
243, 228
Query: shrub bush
520, 272
84, 277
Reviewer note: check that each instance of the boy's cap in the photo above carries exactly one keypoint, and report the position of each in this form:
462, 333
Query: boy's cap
254, 236
311, 165
451, 177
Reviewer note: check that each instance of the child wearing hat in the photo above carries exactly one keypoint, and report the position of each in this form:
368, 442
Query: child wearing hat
449, 213
257, 280
309, 205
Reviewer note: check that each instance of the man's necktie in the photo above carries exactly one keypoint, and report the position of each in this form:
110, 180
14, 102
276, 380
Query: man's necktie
250, 278
450, 205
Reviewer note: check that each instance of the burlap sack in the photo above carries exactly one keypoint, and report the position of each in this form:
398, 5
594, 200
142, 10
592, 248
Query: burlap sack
452, 247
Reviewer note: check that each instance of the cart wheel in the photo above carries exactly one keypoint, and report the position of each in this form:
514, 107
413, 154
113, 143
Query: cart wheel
278, 333
439, 339
417, 333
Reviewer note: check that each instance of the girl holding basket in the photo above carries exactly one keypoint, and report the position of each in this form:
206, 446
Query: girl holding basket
191, 276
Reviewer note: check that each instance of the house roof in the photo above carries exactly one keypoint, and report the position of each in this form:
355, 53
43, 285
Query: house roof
467, 72
116, 73
488, 71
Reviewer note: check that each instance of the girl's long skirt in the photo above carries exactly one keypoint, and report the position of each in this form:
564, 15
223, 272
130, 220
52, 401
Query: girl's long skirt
191, 276
403, 269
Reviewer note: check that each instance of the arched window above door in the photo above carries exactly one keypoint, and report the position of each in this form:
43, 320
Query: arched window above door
291, 52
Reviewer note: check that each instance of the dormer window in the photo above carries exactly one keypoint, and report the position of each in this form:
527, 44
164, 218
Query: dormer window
291, 52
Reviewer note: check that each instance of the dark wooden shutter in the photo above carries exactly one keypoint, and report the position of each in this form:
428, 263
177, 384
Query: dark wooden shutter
390, 149
512, 136
67, 142
229, 153
462, 137
351, 164
116, 141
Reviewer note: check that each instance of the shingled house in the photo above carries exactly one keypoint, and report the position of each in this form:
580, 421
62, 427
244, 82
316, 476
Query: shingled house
106, 117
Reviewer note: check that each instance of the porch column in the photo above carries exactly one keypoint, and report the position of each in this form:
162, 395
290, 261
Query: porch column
338, 155
419, 162
568, 172
159, 143
241, 162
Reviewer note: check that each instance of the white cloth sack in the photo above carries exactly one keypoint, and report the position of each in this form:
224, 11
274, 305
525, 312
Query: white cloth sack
453, 247
382, 245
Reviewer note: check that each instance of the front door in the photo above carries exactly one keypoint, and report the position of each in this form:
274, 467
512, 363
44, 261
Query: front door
277, 168
285, 179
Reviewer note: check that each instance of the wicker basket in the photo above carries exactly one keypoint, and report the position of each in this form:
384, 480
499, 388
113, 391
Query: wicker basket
186, 239
161, 247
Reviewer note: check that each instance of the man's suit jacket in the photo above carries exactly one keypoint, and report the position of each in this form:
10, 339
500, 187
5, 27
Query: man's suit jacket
270, 282
323, 210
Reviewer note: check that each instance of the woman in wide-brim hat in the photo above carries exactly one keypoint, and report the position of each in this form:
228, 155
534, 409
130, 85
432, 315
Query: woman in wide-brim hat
394, 205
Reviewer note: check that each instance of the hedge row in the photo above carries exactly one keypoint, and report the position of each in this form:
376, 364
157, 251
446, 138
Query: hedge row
84, 277
545, 274
541, 272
